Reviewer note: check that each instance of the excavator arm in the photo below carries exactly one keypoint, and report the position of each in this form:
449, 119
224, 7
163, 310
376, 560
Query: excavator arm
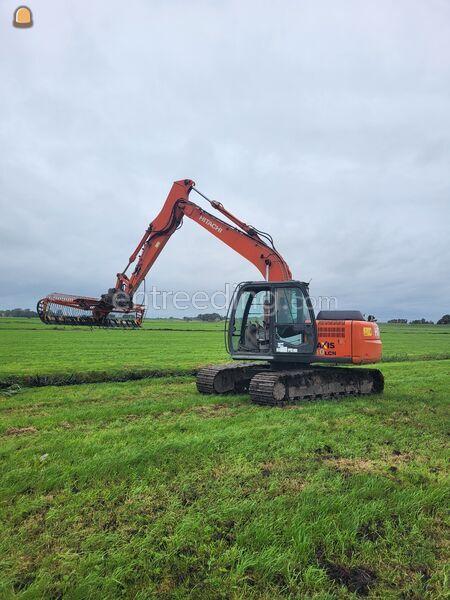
253, 245
243, 239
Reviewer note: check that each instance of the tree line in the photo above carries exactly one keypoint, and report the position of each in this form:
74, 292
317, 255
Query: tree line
444, 320
19, 312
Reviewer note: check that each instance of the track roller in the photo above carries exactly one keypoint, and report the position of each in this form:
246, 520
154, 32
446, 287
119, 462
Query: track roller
279, 388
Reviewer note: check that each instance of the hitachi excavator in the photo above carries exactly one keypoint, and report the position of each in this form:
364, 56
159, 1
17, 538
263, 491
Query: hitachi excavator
271, 326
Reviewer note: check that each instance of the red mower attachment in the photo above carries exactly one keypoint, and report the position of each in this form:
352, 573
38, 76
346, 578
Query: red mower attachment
109, 311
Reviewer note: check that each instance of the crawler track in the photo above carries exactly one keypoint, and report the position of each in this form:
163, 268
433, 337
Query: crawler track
228, 378
278, 388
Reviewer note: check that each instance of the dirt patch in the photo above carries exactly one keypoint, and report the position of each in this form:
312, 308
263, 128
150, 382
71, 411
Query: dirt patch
293, 485
389, 463
400, 457
371, 531
356, 579
352, 465
22, 582
285, 477
131, 417
20, 430
325, 451
424, 573
212, 410
225, 532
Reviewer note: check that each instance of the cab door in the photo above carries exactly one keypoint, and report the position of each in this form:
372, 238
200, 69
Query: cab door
294, 327
249, 327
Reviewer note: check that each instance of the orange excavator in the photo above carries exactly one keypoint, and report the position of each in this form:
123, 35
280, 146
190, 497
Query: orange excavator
288, 353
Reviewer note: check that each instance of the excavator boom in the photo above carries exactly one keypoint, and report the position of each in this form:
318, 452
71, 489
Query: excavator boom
243, 238
116, 307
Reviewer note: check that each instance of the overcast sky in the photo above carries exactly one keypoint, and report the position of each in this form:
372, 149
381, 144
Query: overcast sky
326, 123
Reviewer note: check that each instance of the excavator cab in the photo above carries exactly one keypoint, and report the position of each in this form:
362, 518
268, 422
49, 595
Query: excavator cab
272, 321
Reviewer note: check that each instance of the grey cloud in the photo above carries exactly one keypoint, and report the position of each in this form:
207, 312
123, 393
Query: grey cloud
327, 124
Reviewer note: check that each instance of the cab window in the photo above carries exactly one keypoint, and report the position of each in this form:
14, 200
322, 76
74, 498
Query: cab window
292, 314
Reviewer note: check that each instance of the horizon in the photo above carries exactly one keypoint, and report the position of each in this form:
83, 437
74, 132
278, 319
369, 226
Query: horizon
193, 316
337, 144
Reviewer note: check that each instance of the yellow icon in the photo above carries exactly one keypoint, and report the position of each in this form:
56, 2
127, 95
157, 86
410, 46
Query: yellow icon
367, 331
23, 17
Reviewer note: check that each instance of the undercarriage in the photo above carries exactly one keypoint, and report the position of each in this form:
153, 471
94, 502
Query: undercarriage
272, 386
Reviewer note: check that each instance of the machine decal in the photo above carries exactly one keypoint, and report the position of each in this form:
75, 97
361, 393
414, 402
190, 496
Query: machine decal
210, 223
283, 348
325, 345
326, 348
367, 331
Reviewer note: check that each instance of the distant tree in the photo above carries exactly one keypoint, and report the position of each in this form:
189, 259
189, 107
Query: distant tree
19, 312
421, 322
404, 321
445, 320
209, 317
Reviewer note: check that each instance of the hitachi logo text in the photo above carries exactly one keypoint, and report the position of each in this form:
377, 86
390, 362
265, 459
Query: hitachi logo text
211, 224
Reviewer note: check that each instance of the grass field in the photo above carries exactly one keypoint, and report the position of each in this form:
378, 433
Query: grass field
32, 352
146, 489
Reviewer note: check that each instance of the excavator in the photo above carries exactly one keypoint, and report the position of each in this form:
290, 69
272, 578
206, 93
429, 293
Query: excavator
287, 354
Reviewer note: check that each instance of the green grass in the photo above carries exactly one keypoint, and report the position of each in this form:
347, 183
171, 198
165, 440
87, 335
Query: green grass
33, 349
146, 489
31, 352
403, 342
